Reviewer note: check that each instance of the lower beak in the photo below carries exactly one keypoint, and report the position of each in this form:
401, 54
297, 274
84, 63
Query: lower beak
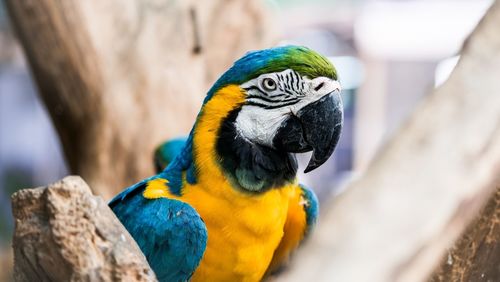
315, 127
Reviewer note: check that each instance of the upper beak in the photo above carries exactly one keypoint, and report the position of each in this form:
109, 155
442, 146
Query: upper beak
315, 127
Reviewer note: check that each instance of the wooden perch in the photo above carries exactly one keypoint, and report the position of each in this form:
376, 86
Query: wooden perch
425, 186
120, 77
64, 233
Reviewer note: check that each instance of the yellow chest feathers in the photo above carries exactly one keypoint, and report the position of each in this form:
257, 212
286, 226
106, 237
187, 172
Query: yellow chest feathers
243, 230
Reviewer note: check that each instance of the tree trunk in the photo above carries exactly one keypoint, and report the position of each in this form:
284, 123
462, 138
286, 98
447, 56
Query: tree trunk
120, 77
425, 186
63, 233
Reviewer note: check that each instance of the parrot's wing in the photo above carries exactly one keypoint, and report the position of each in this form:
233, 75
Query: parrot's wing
166, 152
302, 214
170, 233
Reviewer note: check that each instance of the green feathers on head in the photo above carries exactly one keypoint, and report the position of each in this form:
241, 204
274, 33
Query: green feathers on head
301, 59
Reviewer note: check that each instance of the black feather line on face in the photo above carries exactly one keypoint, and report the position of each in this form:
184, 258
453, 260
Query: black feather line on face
298, 80
265, 99
292, 76
252, 167
270, 107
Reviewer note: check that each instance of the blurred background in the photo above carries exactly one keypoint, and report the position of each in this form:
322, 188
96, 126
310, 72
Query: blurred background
389, 54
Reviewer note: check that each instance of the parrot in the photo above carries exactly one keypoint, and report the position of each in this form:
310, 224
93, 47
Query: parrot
225, 204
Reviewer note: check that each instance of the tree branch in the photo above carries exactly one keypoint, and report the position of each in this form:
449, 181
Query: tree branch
63, 233
120, 77
426, 185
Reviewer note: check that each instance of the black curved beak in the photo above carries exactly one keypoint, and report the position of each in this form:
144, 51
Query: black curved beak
315, 127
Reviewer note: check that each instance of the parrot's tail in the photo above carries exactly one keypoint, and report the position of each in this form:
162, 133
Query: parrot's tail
166, 152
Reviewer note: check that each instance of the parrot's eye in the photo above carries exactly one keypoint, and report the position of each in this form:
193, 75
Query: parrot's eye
268, 84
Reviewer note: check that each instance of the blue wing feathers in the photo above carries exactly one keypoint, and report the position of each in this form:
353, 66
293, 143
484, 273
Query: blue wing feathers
170, 233
130, 191
311, 208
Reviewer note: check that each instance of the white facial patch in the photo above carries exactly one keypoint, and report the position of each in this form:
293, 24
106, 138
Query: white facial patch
259, 125
267, 106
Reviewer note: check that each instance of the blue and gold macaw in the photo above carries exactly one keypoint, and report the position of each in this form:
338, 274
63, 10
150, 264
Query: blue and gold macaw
228, 206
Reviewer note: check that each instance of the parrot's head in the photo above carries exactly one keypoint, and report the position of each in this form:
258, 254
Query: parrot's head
288, 102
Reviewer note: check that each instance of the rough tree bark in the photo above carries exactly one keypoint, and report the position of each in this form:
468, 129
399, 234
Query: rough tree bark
419, 194
119, 77
476, 255
63, 233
